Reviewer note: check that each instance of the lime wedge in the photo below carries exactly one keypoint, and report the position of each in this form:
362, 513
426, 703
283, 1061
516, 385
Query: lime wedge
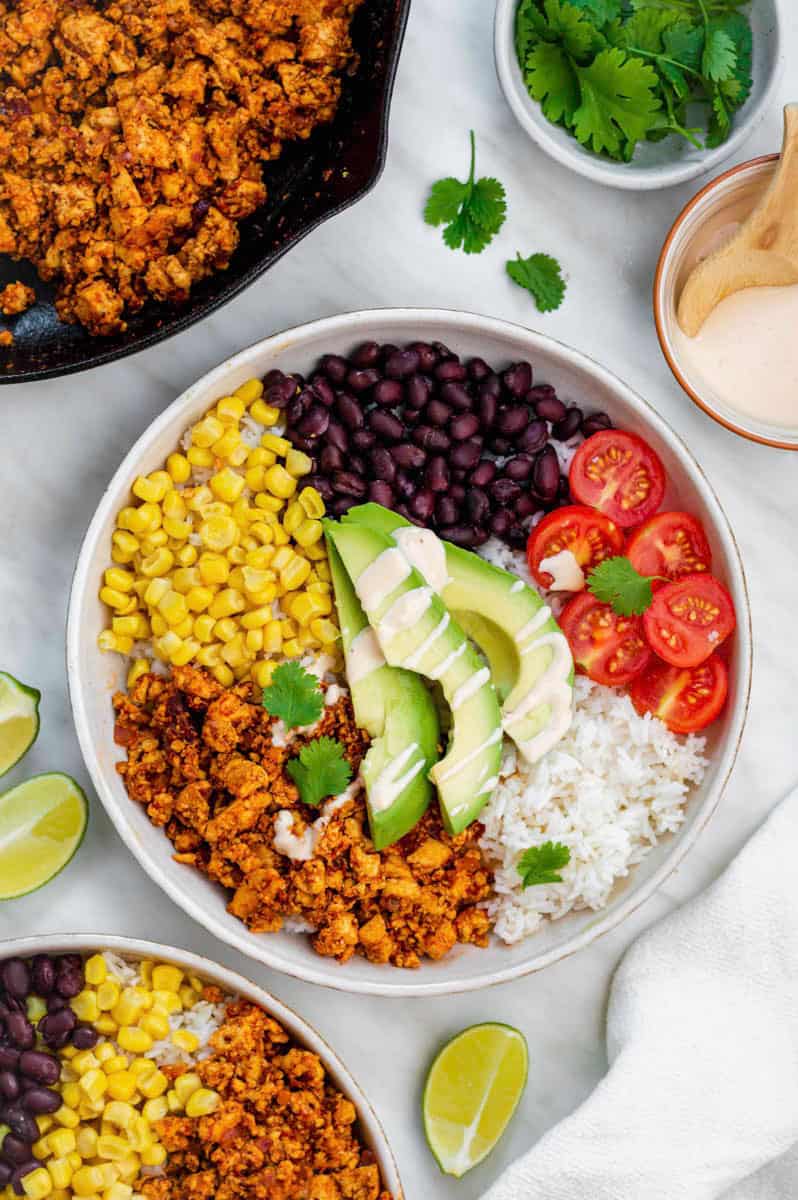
19, 720
472, 1091
42, 823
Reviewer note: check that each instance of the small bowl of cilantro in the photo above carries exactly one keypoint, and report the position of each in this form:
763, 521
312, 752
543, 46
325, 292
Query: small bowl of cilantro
638, 94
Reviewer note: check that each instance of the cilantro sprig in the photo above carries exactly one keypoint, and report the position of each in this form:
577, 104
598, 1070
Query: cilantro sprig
614, 74
542, 864
294, 696
617, 583
542, 277
320, 770
472, 212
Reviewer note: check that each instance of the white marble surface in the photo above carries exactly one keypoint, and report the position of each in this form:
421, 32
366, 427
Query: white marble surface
62, 440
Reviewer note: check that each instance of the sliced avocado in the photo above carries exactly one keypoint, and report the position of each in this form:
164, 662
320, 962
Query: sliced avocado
530, 660
397, 712
415, 631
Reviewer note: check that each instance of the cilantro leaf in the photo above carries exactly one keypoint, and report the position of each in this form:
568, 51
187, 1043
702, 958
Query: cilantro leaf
684, 43
551, 79
530, 26
643, 30
738, 89
572, 28
719, 60
294, 695
541, 276
616, 582
320, 770
542, 864
619, 102
472, 212
599, 11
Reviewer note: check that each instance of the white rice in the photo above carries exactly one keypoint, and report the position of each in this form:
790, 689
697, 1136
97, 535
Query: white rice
613, 786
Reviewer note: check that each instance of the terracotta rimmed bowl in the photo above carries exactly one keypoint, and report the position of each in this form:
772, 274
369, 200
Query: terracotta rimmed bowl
711, 215
371, 1131
655, 164
93, 676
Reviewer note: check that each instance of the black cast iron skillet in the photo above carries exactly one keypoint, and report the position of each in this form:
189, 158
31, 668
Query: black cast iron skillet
310, 182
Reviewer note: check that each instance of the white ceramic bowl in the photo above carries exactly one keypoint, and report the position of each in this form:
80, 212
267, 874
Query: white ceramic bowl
656, 164
93, 676
712, 214
371, 1130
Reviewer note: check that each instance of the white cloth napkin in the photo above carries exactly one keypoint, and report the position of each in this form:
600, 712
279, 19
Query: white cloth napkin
702, 1040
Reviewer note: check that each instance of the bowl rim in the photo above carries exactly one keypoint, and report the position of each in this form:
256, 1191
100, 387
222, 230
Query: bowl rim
83, 583
237, 984
659, 306
626, 176
185, 320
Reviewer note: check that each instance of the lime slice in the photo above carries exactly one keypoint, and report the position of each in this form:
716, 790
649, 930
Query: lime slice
19, 720
471, 1093
42, 823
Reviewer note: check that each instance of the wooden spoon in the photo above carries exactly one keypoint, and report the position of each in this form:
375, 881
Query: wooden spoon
764, 251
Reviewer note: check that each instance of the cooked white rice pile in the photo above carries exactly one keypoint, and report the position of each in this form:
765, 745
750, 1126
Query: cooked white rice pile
615, 784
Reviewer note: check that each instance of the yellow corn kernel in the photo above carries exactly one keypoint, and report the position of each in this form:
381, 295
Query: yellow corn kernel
223, 675
282, 558
70, 1094
308, 533
67, 1117
210, 656
230, 409
156, 590
130, 1006
264, 533
293, 648
272, 504
311, 502
106, 1025
166, 978
256, 618
213, 568
119, 579
153, 491
198, 598
179, 468
172, 608
236, 579
143, 1067
167, 645
189, 995
122, 1085
113, 598
112, 1063
184, 1039
112, 1147
185, 653
226, 444
207, 431
125, 546
118, 1191
273, 637
185, 578
198, 456
174, 1102
225, 629
302, 608
154, 1085
293, 516
153, 1156
87, 1181
297, 463
93, 1083
157, 564
186, 1085
198, 498
61, 1172
151, 516
174, 505
262, 673
86, 1141
261, 558
254, 478
236, 555
187, 555
150, 542
227, 602
203, 627
140, 1134
155, 1109
119, 1113
307, 640
281, 538
324, 630
177, 530
254, 641
202, 1102
156, 1024
249, 391
128, 1169
239, 455
111, 641
135, 625
158, 625
279, 482
235, 652
134, 1039
83, 1061
264, 414
85, 1007
316, 552
37, 1184
41, 1148
108, 994
280, 445
227, 485
62, 1142
260, 457
129, 518
218, 533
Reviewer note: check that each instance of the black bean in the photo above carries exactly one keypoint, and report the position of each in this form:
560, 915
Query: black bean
334, 367
323, 390
519, 468
481, 535
43, 974
512, 420
431, 440
336, 435
40, 1100
15, 977
386, 350
458, 395
405, 485
9, 1085
427, 357
296, 408
341, 505
487, 405
550, 408
517, 537
74, 961
346, 483
478, 369
504, 491
477, 505
55, 1002
9, 1058
500, 522
382, 464
15, 1149
279, 389
417, 391
491, 385
564, 489
322, 485
315, 421
381, 493
362, 380
437, 413
534, 437
411, 457
85, 1038
19, 1122
546, 475
364, 439
501, 445
331, 459
459, 475
436, 475
308, 445
461, 535
525, 506
464, 426
56, 1025
422, 504
366, 355
41, 1067
543, 391
402, 363
446, 511
466, 455
386, 426
444, 351
483, 472
595, 422
457, 493
349, 410
20, 1030
518, 378
450, 371
5, 1173
388, 393
569, 426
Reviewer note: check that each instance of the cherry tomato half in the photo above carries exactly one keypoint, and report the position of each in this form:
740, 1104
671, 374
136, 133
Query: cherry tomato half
610, 649
589, 535
619, 474
688, 619
672, 544
686, 699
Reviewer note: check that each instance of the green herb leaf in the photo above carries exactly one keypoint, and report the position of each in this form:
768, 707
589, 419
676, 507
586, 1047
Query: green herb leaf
616, 582
320, 770
684, 43
573, 28
294, 696
472, 212
551, 79
719, 60
541, 276
599, 11
619, 102
542, 864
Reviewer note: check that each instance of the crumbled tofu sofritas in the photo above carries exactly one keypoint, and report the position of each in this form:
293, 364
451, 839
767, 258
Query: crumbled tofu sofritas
133, 133
15, 298
201, 758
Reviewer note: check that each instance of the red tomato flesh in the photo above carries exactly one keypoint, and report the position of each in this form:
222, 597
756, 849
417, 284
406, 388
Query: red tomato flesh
589, 535
688, 619
688, 699
671, 544
609, 648
619, 474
